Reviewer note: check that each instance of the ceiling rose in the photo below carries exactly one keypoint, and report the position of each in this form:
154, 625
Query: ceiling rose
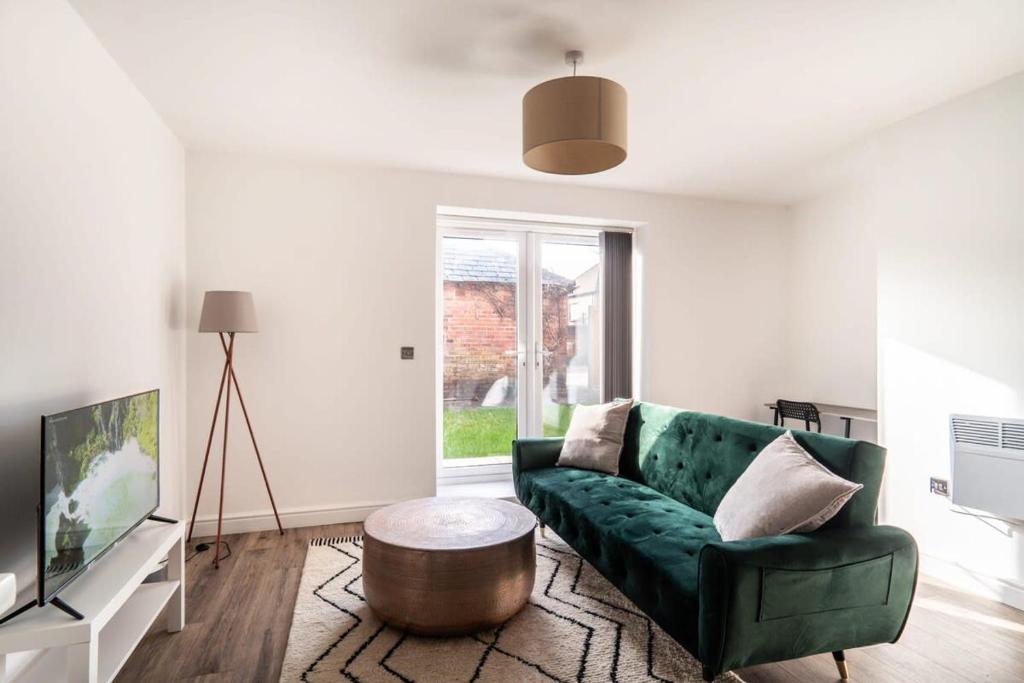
574, 125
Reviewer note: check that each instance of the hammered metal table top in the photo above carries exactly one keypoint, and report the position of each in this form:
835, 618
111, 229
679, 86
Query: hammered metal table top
449, 523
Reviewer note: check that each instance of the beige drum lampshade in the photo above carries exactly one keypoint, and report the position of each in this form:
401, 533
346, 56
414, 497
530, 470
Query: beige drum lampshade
225, 311
574, 125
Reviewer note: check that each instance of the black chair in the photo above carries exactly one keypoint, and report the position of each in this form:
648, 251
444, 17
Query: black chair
797, 410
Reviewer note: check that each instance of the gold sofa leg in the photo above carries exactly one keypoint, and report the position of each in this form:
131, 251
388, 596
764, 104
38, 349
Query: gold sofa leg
840, 658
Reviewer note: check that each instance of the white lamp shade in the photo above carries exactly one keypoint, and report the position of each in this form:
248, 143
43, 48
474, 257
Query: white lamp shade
227, 311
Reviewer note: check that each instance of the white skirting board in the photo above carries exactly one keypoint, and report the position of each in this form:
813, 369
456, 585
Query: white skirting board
994, 588
263, 520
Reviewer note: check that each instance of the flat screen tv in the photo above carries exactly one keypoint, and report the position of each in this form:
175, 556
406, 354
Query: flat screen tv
100, 479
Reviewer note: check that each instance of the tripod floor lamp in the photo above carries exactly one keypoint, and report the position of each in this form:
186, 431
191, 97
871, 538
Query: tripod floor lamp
228, 313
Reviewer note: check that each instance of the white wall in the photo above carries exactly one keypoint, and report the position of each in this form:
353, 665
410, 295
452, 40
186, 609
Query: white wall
92, 252
942, 201
948, 208
831, 344
341, 262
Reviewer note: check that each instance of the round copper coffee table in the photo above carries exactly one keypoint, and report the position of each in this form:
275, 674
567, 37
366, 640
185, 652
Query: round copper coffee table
448, 566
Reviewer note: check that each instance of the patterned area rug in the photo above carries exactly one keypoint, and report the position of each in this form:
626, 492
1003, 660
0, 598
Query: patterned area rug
576, 627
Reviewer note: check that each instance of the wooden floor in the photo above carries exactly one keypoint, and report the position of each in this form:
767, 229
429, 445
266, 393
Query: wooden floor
239, 617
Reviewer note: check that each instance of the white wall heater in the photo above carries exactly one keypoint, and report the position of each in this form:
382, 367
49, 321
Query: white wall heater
988, 464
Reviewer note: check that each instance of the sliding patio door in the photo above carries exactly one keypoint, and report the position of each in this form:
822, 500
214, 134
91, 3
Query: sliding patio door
521, 340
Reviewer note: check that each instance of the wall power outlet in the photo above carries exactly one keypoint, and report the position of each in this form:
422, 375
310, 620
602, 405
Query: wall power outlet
940, 487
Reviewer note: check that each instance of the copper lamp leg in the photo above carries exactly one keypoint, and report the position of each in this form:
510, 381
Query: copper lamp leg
224, 452
245, 413
206, 458
227, 378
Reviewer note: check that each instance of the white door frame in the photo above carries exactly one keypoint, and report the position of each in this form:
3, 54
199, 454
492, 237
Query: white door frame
536, 242
489, 468
529, 333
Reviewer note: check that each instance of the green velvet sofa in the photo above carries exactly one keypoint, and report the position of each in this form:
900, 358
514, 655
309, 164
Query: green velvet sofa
731, 604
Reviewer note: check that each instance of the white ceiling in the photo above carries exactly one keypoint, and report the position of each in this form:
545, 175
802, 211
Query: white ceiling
728, 98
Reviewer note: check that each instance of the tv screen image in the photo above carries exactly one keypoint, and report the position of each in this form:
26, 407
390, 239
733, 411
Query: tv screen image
100, 479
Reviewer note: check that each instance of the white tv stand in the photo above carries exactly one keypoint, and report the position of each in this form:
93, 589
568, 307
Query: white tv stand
118, 608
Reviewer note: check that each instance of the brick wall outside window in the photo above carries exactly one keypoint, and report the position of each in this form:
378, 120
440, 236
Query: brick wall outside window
480, 339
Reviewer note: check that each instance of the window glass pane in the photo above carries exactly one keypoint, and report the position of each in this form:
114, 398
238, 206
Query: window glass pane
480, 344
570, 312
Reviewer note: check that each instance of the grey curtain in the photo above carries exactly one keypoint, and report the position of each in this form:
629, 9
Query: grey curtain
617, 276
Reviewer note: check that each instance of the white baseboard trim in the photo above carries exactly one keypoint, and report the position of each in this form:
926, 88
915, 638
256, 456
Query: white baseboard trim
1004, 590
263, 520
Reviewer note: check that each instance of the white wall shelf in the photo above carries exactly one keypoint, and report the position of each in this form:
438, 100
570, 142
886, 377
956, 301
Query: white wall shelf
118, 607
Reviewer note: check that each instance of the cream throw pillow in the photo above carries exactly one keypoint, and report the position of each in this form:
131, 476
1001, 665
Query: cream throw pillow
784, 490
594, 438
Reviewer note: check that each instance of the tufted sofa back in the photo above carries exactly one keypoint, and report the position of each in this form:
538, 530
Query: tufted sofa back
696, 457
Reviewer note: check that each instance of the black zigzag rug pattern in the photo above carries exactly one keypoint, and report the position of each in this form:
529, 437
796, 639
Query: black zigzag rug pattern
576, 628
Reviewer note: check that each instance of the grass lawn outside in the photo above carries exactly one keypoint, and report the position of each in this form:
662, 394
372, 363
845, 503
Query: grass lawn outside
481, 432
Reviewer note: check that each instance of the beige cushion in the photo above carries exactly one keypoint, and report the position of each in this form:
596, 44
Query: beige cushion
784, 490
594, 438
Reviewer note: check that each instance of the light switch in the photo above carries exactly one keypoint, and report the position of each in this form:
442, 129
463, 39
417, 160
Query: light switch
407, 353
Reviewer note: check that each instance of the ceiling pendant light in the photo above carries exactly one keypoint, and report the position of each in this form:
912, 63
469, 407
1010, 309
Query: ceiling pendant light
574, 125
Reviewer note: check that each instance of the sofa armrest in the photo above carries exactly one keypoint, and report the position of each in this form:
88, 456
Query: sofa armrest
781, 597
531, 454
